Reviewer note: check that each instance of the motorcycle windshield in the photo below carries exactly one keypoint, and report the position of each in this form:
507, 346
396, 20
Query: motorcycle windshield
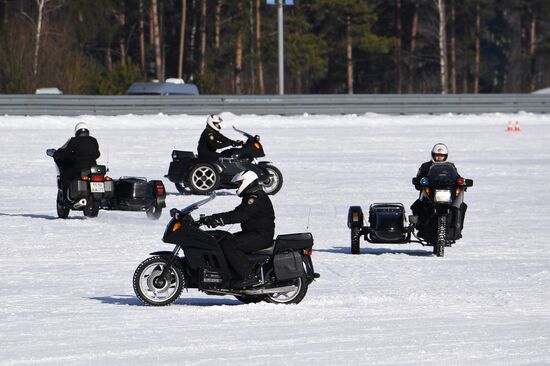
442, 175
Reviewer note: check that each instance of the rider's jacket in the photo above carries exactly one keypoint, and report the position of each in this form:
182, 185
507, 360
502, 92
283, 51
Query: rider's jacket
79, 152
210, 141
255, 213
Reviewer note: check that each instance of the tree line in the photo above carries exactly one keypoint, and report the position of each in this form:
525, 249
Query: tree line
230, 46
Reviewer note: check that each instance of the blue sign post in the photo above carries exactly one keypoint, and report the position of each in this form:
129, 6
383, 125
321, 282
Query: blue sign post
279, 4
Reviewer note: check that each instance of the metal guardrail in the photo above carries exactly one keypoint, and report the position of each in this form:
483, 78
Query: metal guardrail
73, 105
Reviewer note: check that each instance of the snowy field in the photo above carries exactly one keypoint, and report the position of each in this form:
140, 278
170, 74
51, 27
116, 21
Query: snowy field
66, 294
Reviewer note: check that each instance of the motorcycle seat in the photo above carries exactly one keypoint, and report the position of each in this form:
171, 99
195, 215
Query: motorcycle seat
265, 251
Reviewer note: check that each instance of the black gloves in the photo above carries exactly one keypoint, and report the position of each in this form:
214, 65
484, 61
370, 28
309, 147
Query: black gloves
237, 143
212, 221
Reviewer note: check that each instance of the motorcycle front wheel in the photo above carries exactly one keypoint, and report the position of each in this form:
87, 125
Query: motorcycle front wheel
151, 288
290, 297
62, 209
274, 183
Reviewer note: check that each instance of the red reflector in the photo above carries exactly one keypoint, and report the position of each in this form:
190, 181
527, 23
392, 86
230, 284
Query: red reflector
308, 251
460, 181
97, 178
160, 189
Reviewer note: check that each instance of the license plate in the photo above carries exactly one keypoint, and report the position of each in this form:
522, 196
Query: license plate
97, 187
443, 196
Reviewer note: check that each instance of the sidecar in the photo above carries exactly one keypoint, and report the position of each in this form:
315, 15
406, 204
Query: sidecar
138, 194
387, 224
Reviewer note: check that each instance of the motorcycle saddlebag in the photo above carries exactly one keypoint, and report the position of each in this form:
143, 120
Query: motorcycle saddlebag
386, 221
288, 265
78, 189
293, 241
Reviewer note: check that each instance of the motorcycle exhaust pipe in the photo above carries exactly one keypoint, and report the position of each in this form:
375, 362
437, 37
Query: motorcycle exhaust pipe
80, 203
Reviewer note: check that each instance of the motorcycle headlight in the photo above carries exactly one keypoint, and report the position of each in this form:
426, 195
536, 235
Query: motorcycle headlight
442, 196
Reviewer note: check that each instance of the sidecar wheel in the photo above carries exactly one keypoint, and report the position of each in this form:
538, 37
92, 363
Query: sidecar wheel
154, 290
291, 297
274, 183
355, 240
62, 209
154, 212
203, 179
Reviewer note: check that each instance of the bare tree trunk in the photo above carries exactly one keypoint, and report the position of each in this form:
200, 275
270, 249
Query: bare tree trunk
252, 44
182, 38
202, 51
239, 53
453, 47
141, 36
5, 18
109, 58
478, 49
155, 27
532, 52
217, 25
414, 32
442, 46
349, 56
261, 87
193, 30
398, 42
40, 4
121, 42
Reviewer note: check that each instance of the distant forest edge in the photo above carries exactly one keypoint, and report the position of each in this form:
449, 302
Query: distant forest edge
230, 46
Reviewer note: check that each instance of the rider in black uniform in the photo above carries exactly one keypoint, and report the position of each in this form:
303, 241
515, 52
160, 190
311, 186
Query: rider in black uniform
211, 139
80, 152
257, 219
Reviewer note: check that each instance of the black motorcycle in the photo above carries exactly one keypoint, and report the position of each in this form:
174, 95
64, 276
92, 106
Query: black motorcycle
284, 270
94, 190
440, 224
191, 174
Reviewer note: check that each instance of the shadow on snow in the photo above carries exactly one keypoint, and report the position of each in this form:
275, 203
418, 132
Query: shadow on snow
379, 251
38, 216
134, 301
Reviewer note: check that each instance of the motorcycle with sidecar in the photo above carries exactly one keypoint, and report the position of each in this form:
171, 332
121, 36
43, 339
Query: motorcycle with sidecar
94, 190
440, 224
194, 175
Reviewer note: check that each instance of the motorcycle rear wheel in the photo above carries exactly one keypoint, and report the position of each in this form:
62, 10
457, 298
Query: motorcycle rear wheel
62, 209
291, 297
92, 207
153, 290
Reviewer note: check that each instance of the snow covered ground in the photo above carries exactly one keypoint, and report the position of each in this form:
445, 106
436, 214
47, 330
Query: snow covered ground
66, 294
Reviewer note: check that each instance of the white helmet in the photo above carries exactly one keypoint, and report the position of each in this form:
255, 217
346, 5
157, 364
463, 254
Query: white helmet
214, 121
440, 149
81, 128
248, 180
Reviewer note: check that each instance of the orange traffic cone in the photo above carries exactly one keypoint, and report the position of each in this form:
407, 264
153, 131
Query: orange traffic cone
517, 128
509, 128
